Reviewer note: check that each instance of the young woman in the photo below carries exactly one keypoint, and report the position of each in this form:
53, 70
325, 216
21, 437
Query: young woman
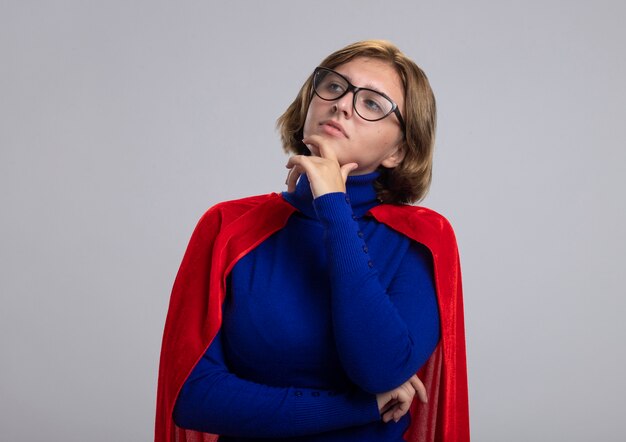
305, 316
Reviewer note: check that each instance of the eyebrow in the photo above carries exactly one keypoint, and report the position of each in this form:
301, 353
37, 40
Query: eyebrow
367, 86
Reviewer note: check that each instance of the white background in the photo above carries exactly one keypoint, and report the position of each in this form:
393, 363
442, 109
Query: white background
121, 122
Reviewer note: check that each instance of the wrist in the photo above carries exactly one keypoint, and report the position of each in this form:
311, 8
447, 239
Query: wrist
333, 207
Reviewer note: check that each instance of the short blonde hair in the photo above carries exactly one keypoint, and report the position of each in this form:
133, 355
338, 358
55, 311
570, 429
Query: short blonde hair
410, 180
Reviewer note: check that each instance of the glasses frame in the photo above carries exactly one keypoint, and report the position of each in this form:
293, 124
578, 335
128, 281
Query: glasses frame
354, 89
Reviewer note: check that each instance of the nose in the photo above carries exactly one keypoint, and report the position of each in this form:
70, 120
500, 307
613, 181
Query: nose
344, 104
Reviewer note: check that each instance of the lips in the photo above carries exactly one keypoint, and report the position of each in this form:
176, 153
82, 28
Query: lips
334, 125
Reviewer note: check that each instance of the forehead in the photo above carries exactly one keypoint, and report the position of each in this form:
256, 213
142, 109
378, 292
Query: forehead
374, 74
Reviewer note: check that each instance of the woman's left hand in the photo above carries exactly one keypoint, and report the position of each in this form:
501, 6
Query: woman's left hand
325, 173
395, 403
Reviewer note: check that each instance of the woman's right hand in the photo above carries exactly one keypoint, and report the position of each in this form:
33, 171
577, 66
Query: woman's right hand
325, 173
395, 403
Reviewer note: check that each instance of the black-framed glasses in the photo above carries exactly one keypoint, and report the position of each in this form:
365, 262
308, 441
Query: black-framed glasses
369, 104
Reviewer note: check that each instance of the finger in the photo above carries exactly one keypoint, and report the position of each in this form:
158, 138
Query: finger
327, 152
419, 387
312, 146
298, 164
295, 160
397, 415
394, 414
388, 406
312, 143
402, 408
322, 146
388, 416
303, 163
387, 410
346, 169
292, 178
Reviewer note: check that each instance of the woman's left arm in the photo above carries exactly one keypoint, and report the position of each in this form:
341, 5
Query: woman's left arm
383, 335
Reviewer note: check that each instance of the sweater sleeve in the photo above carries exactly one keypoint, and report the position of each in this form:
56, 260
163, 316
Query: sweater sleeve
383, 335
216, 401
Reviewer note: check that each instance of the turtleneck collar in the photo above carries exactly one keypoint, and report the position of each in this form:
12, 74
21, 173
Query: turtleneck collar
359, 188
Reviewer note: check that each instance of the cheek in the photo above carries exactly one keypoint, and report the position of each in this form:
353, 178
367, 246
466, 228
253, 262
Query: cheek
308, 121
391, 136
382, 139
381, 142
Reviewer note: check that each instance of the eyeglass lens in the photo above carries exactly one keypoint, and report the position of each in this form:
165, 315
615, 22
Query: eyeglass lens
369, 104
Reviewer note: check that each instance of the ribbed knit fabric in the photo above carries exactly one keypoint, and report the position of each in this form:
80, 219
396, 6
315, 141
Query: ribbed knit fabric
320, 317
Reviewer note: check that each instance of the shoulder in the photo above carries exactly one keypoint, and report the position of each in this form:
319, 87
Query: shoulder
243, 204
227, 211
244, 213
412, 218
420, 224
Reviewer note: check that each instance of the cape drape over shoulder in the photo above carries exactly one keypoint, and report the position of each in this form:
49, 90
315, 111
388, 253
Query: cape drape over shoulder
228, 231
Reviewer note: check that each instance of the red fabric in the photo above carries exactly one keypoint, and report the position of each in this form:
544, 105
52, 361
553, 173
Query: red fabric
446, 416
230, 230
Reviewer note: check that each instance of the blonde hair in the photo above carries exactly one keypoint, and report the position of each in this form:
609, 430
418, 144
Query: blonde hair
409, 181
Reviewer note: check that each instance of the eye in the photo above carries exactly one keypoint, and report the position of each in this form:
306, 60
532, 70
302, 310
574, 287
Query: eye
334, 87
373, 105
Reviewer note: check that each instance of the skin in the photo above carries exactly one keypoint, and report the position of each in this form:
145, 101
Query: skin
340, 141
395, 403
343, 144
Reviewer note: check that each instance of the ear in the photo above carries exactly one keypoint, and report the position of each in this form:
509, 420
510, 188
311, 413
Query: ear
394, 158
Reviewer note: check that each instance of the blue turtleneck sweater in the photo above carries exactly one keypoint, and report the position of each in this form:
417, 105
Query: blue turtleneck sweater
320, 317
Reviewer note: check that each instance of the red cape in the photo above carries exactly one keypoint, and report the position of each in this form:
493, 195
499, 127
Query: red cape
228, 231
